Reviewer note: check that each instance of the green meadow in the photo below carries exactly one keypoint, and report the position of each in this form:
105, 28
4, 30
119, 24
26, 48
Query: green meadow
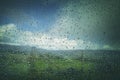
33, 66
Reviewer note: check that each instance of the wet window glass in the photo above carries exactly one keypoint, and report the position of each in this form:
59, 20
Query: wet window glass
59, 39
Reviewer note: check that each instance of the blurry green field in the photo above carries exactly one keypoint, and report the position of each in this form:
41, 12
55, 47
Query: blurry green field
49, 67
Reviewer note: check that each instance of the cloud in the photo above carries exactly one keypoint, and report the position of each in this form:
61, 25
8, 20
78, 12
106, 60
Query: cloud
87, 45
47, 42
6, 28
79, 25
41, 40
7, 32
14, 36
77, 21
88, 21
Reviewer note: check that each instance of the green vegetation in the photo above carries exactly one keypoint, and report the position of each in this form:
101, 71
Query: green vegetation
49, 67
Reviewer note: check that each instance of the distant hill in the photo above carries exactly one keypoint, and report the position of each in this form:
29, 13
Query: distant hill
76, 54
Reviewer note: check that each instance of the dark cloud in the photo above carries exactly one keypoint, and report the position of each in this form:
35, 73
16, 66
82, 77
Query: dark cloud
91, 20
97, 21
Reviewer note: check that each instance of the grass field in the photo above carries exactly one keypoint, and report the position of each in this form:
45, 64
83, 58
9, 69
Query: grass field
23, 66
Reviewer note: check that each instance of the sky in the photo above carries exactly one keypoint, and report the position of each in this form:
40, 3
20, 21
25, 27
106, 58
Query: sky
61, 24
